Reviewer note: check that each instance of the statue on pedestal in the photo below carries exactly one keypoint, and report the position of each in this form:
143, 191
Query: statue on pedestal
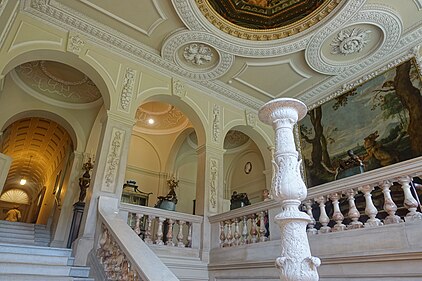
169, 201
85, 180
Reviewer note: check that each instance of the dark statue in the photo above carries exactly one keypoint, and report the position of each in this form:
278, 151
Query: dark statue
171, 197
85, 180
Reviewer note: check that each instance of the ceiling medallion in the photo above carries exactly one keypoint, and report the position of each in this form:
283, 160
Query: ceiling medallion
350, 41
197, 54
263, 20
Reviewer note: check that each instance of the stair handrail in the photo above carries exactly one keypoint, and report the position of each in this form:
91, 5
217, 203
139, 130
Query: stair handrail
147, 264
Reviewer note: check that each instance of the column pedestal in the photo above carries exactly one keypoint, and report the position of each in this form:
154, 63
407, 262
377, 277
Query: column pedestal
78, 211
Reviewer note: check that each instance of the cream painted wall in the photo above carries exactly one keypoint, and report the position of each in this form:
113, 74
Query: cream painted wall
236, 179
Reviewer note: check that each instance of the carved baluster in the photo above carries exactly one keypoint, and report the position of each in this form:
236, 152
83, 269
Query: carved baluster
222, 234
180, 235
159, 240
370, 209
337, 215
236, 232
389, 206
190, 235
169, 236
138, 223
323, 217
409, 201
229, 233
311, 224
245, 231
353, 213
262, 230
254, 231
148, 231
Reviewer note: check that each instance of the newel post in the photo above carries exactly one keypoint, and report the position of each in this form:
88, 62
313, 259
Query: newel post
295, 261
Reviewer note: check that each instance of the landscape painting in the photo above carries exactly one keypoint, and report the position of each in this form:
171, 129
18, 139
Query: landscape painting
377, 124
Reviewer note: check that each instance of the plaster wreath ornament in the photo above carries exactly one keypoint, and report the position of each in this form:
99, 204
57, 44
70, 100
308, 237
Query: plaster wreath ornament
197, 54
350, 41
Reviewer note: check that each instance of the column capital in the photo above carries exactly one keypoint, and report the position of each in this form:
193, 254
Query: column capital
120, 118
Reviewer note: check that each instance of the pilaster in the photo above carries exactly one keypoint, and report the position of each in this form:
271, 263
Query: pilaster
107, 179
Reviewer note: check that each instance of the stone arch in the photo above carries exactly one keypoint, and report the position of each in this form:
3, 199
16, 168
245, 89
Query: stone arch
191, 110
89, 68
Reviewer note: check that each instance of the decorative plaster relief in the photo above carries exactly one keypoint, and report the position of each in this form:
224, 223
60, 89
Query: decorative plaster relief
216, 123
384, 18
213, 185
75, 44
349, 41
113, 159
178, 88
250, 119
127, 91
197, 54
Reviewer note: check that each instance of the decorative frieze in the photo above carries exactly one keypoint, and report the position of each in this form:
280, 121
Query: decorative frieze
75, 44
251, 119
128, 87
213, 182
216, 123
113, 159
178, 88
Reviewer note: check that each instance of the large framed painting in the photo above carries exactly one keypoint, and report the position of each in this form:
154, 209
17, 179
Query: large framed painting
377, 124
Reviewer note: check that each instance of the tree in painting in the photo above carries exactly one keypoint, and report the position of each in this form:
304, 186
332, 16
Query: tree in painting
379, 121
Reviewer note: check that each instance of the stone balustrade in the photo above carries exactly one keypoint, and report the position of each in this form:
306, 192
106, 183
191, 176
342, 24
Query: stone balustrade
162, 227
372, 199
114, 261
246, 225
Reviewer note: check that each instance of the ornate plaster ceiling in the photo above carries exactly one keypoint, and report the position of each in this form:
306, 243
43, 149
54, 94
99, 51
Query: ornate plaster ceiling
252, 16
57, 81
37, 147
233, 139
166, 118
319, 50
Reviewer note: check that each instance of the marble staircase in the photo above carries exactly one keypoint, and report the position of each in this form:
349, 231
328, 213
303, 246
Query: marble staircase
24, 255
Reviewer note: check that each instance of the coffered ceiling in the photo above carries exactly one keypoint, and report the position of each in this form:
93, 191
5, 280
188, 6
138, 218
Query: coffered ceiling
251, 51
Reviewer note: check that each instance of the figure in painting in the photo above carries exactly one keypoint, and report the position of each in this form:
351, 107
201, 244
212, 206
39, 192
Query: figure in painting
13, 214
379, 151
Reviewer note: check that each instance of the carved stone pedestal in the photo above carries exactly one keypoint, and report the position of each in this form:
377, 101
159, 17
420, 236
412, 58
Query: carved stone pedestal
295, 262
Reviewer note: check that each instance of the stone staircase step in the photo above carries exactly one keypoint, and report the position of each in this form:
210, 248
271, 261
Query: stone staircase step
17, 235
34, 269
30, 259
17, 241
34, 250
29, 277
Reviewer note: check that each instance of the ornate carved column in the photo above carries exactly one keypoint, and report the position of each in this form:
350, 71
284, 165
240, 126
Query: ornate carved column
295, 262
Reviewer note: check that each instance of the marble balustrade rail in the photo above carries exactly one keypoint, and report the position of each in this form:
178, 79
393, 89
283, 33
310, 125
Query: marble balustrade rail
162, 227
385, 196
